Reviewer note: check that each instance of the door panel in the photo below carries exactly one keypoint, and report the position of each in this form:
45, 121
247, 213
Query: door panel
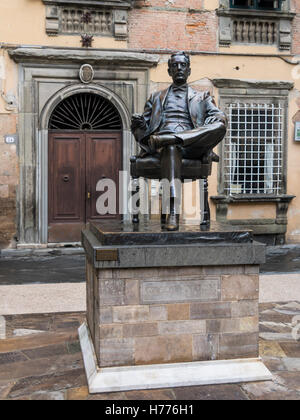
77, 161
103, 161
67, 171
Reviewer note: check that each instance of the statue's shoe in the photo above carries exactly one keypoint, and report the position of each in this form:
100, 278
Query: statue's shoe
210, 156
157, 142
172, 222
215, 157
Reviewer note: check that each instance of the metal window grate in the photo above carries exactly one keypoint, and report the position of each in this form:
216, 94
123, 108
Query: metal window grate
253, 149
85, 111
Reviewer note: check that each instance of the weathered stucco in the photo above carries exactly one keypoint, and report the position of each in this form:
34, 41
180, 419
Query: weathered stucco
9, 167
22, 22
262, 68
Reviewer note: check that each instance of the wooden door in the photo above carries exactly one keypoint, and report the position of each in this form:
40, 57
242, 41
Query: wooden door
77, 161
103, 162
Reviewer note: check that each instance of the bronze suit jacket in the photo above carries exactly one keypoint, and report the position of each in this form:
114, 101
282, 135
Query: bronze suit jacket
202, 108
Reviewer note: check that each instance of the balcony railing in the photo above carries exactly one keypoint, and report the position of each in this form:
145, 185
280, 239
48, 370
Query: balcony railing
249, 26
97, 22
255, 31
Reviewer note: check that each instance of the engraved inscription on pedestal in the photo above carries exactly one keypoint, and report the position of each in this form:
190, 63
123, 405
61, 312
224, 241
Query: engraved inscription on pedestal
179, 291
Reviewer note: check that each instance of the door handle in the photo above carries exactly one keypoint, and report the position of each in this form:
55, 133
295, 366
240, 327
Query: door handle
88, 195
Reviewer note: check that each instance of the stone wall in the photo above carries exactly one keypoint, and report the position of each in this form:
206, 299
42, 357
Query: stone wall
176, 25
296, 27
168, 315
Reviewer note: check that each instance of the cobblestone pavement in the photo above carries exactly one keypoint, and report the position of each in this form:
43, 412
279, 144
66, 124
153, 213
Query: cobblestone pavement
40, 359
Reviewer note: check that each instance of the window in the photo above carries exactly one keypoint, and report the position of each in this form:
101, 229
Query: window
256, 4
253, 155
79, 17
256, 22
253, 148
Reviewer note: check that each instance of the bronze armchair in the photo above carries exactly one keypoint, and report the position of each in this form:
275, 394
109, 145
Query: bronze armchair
149, 167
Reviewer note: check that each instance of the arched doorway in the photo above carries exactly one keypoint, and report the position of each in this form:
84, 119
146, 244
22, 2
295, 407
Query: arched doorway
85, 145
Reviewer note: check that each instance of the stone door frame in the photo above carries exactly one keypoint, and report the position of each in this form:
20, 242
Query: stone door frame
42, 181
45, 78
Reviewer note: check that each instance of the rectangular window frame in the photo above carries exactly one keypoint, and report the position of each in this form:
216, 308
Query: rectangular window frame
223, 187
255, 134
255, 6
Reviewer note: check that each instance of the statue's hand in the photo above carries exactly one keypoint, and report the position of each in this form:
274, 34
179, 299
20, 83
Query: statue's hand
214, 119
137, 121
211, 120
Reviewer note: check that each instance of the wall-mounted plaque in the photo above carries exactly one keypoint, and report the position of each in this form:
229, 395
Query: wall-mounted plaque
107, 255
86, 73
11, 138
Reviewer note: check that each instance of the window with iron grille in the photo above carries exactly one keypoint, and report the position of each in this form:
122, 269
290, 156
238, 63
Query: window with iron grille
253, 148
256, 4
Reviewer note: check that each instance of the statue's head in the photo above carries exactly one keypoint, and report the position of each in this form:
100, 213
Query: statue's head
179, 67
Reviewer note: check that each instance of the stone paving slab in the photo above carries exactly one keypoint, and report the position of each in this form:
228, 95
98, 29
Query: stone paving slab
42, 269
39, 298
284, 287
41, 252
45, 363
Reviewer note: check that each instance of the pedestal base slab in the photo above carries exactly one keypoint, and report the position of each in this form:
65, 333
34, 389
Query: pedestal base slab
166, 375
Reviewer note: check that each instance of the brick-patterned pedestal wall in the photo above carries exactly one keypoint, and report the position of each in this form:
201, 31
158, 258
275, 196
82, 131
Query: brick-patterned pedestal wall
145, 316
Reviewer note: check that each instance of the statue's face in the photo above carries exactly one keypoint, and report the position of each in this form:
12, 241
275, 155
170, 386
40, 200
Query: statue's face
179, 69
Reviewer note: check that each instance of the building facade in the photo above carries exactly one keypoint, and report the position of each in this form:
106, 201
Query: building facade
72, 72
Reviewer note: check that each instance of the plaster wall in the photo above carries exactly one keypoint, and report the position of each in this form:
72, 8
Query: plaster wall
9, 162
207, 67
204, 68
23, 22
242, 211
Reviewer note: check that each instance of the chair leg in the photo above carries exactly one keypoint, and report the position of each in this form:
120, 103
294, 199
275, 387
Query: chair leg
206, 212
164, 208
163, 219
135, 209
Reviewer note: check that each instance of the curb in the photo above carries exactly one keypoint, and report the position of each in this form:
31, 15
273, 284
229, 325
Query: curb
26, 253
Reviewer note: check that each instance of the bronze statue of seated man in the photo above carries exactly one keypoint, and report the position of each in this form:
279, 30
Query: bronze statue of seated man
178, 123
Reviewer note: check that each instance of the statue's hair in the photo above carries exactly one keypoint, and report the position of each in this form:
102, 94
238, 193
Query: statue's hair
186, 56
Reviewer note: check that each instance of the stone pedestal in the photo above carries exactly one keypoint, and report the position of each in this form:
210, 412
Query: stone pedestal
170, 303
